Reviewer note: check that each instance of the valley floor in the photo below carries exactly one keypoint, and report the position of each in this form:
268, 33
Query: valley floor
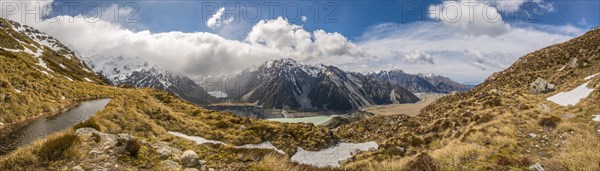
410, 109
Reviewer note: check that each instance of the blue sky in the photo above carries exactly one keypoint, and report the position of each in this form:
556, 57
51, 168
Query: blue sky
464, 39
350, 18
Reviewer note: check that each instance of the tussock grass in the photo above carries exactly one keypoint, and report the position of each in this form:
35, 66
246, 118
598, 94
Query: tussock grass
455, 154
581, 150
57, 147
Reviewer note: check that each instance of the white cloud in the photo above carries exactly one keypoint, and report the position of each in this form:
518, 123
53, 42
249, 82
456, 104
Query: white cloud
457, 54
418, 56
463, 50
201, 52
280, 34
471, 16
216, 19
583, 22
335, 44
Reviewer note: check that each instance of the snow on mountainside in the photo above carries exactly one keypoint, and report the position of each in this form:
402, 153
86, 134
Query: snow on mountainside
139, 73
421, 83
285, 83
51, 57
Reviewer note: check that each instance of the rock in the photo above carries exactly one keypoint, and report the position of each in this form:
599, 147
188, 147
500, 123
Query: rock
355, 152
522, 106
568, 116
202, 162
122, 138
544, 108
211, 169
164, 152
190, 169
372, 149
189, 159
540, 86
77, 168
87, 131
495, 91
532, 135
573, 63
170, 165
342, 162
536, 167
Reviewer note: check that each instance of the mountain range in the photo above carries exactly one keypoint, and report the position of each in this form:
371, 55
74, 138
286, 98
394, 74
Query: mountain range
137, 72
286, 83
501, 124
421, 83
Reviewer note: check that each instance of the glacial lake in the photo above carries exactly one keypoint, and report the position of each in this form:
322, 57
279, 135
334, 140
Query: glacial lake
317, 120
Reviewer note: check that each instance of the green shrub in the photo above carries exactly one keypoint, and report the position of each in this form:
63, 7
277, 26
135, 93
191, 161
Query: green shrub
55, 148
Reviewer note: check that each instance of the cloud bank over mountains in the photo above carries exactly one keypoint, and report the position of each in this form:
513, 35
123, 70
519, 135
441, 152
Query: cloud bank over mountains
465, 49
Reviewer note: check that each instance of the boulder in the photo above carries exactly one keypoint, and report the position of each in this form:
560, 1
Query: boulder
170, 165
540, 86
189, 159
573, 63
536, 167
77, 168
190, 169
164, 152
86, 131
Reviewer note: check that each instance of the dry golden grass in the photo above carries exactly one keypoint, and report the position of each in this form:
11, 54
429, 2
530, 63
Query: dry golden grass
582, 148
455, 155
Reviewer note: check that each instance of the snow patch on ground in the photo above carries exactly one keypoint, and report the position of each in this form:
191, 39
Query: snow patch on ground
17, 90
46, 73
69, 78
332, 155
200, 140
596, 118
572, 97
62, 66
591, 76
87, 79
264, 145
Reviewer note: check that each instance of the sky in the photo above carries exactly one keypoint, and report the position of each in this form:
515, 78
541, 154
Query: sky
466, 40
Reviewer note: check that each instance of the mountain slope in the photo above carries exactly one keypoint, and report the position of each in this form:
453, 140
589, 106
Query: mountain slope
141, 117
138, 73
501, 124
421, 83
312, 87
51, 57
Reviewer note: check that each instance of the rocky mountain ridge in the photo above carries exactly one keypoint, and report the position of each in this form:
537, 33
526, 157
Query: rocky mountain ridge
313, 87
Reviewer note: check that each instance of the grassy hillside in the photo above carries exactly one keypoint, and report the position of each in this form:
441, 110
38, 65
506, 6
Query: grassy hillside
498, 125
29, 90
